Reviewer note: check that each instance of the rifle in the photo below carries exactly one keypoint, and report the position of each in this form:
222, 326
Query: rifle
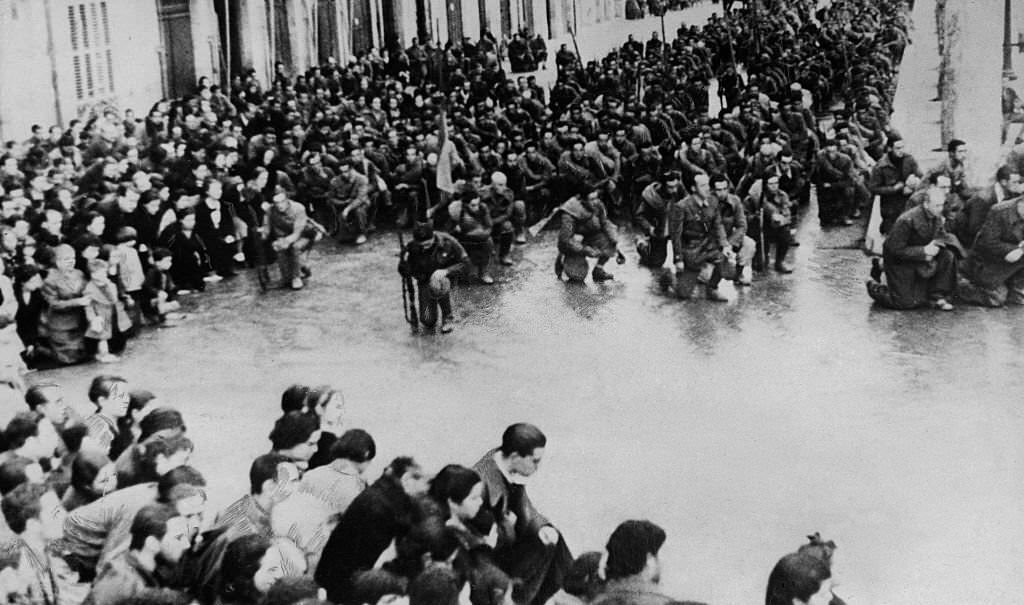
760, 238
539, 226
408, 290
664, 38
579, 58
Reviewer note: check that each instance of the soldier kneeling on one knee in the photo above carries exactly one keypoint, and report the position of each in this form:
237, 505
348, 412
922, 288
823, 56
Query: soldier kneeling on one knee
432, 259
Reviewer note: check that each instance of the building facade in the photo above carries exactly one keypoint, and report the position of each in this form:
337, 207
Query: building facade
68, 59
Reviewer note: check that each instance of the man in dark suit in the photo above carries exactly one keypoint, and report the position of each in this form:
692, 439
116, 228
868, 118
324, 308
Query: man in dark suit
529, 547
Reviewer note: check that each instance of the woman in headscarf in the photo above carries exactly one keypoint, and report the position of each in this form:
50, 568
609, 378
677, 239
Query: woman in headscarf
62, 329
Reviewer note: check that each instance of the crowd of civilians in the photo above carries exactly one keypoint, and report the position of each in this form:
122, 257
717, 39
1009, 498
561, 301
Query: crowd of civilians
106, 510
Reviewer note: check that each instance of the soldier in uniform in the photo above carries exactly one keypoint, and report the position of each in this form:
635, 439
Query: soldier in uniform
699, 244
538, 174
893, 179
1007, 186
471, 224
432, 259
995, 265
291, 234
507, 213
955, 167
734, 221
920, 260
651, 218
350, 196
833, 175
585, 232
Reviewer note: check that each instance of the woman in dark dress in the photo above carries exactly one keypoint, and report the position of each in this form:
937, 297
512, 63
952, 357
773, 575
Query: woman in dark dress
215, 224
191, 263
28, 284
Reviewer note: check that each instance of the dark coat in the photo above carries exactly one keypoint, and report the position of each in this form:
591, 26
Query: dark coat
651, 216
976, 209
323, 450
519, 551
214, 233
119, 579
592, 224
698, 235
887, 180
28, 315
191, 259
446, 253
146, 225
1002, 232
381, 513
911, 277
501, 497
734, 220
917, 228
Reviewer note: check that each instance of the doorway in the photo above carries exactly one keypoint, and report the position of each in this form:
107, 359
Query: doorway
454, 10
282, 35
179, 65
326, 31
362, 26
230, 39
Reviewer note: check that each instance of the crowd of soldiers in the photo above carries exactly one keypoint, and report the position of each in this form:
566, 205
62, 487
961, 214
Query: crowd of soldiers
106, 223
101, 506
629, 138
950, 239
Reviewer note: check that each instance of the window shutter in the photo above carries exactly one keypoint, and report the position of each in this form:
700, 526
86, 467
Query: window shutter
110, 70
89, 88
92, 58
107, 59
76, 63
83, 19
105, 23
73, 28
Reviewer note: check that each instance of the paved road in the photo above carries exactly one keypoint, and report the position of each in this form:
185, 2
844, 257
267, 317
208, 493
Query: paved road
739, 427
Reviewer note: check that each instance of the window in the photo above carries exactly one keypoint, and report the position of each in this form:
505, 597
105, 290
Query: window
92, 60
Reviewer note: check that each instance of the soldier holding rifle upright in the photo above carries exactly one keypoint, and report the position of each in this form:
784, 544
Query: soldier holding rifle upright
432, 259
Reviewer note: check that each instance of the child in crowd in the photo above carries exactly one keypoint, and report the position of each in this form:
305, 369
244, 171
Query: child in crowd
158, 300
130, 275
88, 248
105, 312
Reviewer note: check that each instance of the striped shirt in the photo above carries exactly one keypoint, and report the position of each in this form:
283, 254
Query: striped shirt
334, 487
245, 516
102, 429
